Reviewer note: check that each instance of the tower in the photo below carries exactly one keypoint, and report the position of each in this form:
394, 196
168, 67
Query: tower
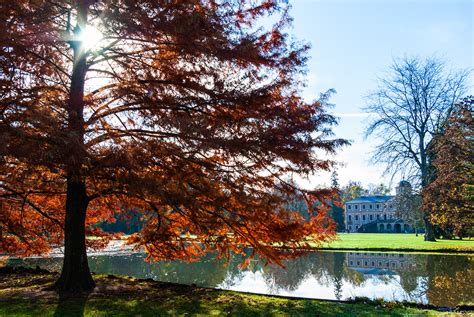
404, 187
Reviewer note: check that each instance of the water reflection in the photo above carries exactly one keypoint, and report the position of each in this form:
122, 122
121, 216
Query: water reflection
442, 280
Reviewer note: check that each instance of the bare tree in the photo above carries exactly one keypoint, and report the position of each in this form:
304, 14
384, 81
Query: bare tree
408, 206
410, 107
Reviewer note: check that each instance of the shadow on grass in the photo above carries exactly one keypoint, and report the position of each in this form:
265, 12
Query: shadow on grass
306, 308
71, 306
184, 305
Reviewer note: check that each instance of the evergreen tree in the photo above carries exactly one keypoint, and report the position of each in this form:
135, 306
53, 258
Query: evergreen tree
337, 209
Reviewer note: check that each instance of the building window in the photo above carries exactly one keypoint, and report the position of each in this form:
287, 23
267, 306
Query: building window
365, 263
363, 217
370, 206
350, 228
378, 217
349, 207
373, 263
357, 217
371, 217
363, 206
378, 206
384, 217
351, 262
355, 207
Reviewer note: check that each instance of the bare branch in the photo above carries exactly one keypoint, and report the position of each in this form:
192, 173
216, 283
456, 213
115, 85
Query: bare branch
412, 104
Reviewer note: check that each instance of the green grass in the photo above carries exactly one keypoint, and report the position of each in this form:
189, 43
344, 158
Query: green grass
222, 304
396, 242
25, 294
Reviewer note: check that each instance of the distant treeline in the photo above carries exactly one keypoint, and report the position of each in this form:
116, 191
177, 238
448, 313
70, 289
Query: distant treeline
128, 223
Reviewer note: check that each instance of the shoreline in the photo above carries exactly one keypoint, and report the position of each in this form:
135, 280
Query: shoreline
393, 242
401, 250
27, 292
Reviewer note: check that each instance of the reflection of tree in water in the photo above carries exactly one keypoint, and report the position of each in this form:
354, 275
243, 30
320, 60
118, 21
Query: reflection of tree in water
338, 275
445, 280
289, 277
327, 268
450, 280
408, 281
207, 272
413, 278
234, 272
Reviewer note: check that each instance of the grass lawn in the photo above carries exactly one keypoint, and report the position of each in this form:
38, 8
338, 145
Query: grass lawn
396, 242
24, 293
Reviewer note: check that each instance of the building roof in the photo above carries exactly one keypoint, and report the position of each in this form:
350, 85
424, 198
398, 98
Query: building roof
371, 199
404, 183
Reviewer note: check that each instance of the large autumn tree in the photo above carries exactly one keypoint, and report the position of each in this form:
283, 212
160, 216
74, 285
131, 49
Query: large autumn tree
187, 111
451, 195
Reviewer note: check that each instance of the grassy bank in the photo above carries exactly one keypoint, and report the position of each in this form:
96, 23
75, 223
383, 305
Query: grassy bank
24, 293
396, 242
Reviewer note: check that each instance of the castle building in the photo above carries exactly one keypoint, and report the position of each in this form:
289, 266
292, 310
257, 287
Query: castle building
375, 213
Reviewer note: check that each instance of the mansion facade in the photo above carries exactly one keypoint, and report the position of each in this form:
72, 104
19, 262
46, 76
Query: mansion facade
375, 214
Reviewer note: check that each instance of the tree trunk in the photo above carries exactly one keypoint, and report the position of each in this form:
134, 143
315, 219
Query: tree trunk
447, 234
425, 180
429, 230
75, 275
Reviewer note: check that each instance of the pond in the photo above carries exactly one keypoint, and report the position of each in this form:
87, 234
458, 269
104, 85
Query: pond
441, 280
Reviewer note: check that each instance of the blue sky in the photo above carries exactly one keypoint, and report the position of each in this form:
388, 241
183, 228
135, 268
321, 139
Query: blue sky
355, 41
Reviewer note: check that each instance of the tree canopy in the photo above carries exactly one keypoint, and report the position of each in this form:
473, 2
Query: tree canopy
451, 195
187, 111
337, 210
354, 189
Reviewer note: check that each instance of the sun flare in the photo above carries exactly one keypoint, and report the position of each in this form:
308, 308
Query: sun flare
91, 37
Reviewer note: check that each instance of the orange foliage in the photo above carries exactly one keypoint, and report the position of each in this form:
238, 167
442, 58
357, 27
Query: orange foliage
450, 197
189, 115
